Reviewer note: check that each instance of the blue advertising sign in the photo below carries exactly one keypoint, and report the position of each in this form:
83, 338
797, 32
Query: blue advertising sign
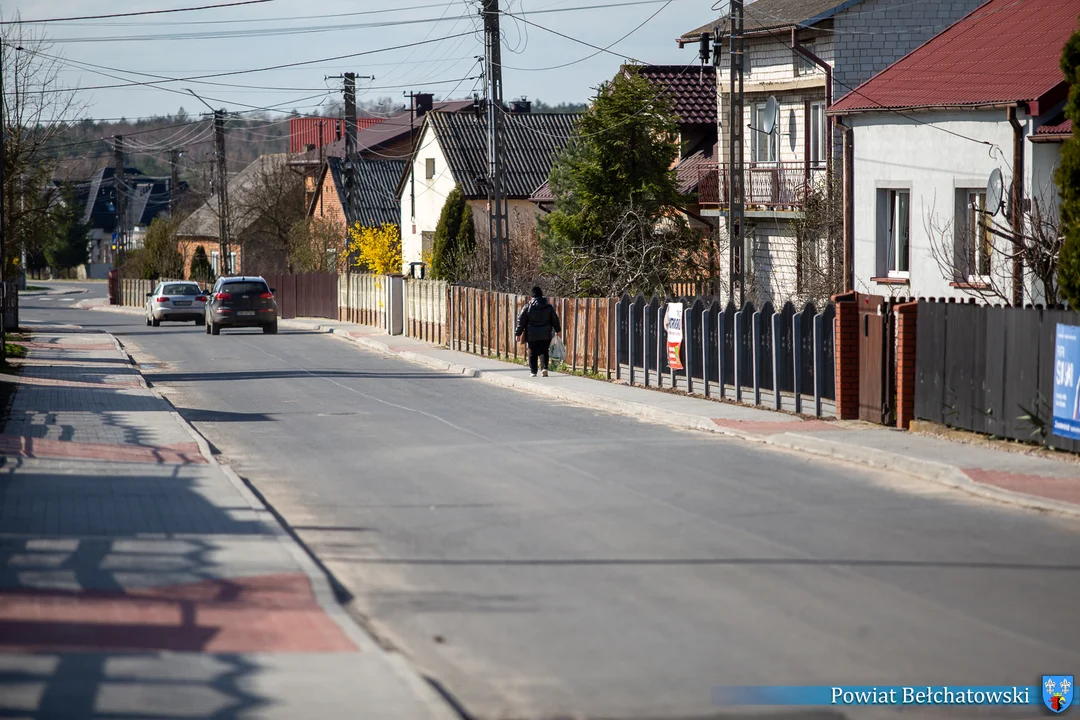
1067, 382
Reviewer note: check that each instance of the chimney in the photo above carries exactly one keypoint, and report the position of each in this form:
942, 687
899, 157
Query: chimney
520, 106
424, 103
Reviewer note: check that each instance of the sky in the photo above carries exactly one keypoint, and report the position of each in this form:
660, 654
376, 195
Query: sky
184, 44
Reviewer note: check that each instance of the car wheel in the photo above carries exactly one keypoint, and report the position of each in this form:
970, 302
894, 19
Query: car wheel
215, 329
155, 322
147, 319
270, 329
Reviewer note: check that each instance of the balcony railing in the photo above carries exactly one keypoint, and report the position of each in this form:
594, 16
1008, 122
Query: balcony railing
770, 185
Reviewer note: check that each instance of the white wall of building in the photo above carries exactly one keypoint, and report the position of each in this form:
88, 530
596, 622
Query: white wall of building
431, 194
928, 156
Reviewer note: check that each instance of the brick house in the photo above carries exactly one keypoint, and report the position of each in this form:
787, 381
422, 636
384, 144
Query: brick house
803, 53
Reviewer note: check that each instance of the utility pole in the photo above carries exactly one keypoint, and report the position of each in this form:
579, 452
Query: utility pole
498, 234
174, 181
120, 190
736, 156
224, 266
350, 179
3, 217
412, 160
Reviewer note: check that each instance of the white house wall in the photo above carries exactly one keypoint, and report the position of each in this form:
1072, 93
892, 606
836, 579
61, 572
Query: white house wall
430, 197
893, 152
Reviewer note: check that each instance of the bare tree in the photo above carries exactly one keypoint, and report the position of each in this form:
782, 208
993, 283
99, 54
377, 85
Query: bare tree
37, 109
317, 244
977, 252
263, 211
819, 243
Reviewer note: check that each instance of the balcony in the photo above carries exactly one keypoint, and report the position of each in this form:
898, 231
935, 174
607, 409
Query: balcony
768, 185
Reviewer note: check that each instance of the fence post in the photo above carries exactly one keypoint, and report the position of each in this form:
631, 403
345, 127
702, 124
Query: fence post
705, 352
796, 359
906, 318
846, 354
819, 362
661, 341
720, 322
756, 348
630, 343
618, 362
737, 353
645, 345
688, 340
776, 360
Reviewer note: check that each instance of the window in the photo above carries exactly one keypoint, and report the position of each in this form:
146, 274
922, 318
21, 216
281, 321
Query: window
804, 66
973, 225
244, 287
766, 148
429, 168
233, 267
818, 144
180, 289
215, 262
427, 239
894, 232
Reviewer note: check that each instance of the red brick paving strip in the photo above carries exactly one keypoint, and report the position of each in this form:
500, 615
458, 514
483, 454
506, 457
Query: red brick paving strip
766, 427
1066, 490
179, 453
53, 382
267, 613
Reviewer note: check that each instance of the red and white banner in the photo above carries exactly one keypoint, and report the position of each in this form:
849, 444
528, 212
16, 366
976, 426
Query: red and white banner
673, 321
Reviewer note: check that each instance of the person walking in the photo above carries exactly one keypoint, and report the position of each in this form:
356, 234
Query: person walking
536, 326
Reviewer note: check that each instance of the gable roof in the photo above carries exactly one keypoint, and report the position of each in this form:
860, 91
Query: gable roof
370, 140
532, 141
145, 197
1004, 52
377, 202
1058, 132
773, 14
204, 221
692, 90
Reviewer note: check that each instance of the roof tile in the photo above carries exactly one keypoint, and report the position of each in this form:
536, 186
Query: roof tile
692, 90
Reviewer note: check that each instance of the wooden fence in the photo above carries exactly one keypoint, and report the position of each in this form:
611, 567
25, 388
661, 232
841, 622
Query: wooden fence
425, 304
483, 323
304, 294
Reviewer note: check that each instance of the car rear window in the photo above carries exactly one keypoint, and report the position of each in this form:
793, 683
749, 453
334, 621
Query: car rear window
180, 290
244, 288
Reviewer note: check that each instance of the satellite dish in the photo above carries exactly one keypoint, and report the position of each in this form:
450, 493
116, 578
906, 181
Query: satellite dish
771, 113
995, 187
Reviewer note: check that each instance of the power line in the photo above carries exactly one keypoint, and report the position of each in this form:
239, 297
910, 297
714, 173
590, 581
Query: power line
133, 14
252, 70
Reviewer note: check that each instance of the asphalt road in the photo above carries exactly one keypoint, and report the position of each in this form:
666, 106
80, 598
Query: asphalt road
544, 560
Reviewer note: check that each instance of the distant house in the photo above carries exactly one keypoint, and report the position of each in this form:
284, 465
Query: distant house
145, 198
245, 229
804, 53
985, 95
453, 151
383, 149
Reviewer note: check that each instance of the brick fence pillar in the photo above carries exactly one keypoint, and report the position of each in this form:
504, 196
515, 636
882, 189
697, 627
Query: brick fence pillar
906, 317
846, 346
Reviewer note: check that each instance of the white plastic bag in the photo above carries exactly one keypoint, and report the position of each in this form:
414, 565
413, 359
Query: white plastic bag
557, 351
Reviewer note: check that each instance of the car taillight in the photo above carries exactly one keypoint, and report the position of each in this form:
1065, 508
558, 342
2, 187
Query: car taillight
163, 299
267, 296
201, 298
223, 296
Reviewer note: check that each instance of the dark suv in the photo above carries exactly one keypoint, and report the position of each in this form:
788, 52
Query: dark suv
241, 302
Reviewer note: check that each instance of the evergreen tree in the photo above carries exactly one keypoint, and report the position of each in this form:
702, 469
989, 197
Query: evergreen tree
201, 271
455, 238
1068, 179
69, 245
614, 227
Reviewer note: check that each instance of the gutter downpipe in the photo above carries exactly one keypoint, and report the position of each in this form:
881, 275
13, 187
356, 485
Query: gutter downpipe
1017, 202
828, 90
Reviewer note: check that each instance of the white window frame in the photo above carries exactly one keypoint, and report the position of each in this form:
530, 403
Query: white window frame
429, 168
804, 65
763, 143
899, 223
977, 242
818, 135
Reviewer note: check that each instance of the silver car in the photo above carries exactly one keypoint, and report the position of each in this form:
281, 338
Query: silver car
176, 301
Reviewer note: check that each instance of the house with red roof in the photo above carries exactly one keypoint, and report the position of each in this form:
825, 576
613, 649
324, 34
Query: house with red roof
954, 149
803, 53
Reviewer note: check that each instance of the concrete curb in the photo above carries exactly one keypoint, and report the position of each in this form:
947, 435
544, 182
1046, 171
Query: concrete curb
941, 473
39, 293
324, 594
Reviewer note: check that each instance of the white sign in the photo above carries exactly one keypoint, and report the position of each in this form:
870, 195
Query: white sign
673, 320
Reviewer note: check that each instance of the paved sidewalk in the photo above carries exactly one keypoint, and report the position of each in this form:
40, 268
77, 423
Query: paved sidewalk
140, 579
1018, 478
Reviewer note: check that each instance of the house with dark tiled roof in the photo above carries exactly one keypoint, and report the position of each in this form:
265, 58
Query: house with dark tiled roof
803, 53
382, 152
982, 98
452, 151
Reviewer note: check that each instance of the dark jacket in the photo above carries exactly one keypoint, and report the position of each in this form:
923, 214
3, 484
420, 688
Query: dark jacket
538, 318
